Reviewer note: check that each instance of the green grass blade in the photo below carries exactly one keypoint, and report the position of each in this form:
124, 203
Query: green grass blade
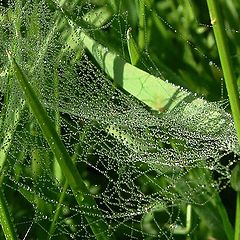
132, 48
230, 79
229, 76
142, 27
237, 219
5, 218
58, 209
80, 191
224, 216
66, 185
56, 167
185, 230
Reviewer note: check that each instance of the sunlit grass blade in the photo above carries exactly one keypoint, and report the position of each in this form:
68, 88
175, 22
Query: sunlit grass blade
229, 76
80, 191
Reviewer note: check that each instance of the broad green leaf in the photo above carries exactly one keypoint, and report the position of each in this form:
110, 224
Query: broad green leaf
153, 91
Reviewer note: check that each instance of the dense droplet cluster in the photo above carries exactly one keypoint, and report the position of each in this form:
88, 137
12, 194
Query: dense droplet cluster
140, 165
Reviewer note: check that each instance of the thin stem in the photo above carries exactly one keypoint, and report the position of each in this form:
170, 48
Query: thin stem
142, 20
132, 48
185, 230
230, 80
58, 209
66, 185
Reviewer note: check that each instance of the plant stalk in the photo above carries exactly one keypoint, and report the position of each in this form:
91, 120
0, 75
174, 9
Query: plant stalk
230, 80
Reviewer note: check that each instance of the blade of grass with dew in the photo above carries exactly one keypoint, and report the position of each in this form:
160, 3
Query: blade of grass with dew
56, 167
58, 210
5, 218
132, 48
230, 80
185, 230
80, 191
66, 185
15, 116
142, 26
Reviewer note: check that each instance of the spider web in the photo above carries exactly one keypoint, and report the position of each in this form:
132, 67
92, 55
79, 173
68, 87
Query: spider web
143, 167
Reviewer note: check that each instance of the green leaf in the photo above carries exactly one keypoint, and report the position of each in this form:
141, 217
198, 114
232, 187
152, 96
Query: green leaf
235, 178
151, 90
132, 48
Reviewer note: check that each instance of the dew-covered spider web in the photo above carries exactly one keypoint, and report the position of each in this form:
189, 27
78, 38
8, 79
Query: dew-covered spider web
147, 164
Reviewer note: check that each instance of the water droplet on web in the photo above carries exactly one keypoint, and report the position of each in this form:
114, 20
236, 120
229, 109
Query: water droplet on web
133, 158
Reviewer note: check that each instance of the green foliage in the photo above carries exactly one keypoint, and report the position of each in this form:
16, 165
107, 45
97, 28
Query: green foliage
235, 178
71, 173
108, 129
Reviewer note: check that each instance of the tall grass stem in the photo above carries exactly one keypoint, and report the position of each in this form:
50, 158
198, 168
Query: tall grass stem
230, 79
